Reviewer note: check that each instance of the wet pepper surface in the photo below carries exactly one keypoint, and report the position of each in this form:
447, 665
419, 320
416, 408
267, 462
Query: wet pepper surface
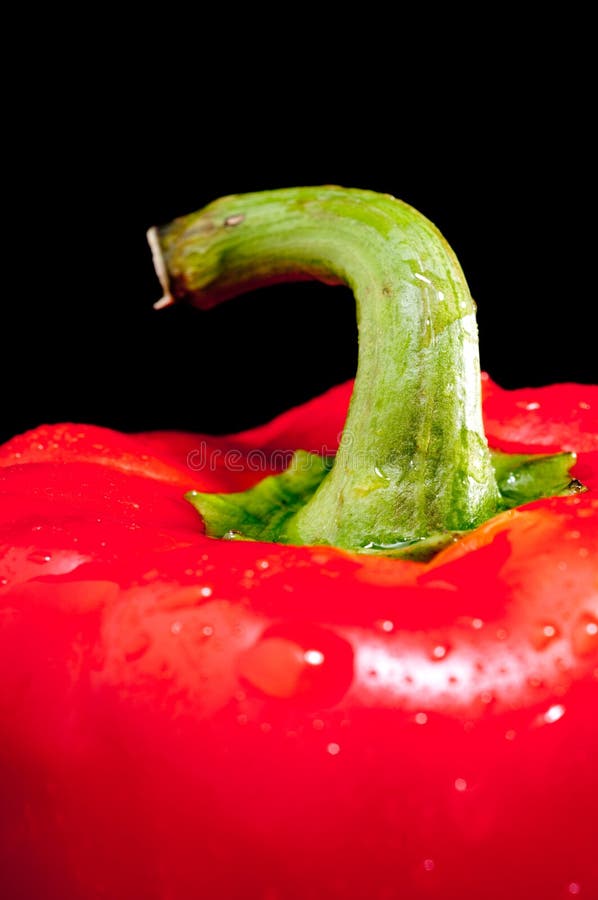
183, 716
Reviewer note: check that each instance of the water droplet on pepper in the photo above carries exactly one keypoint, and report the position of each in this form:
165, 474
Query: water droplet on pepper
554, 713
304, 662
39, 557
584, 637
544, 634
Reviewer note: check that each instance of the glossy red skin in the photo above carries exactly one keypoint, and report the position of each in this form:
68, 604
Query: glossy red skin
160, 742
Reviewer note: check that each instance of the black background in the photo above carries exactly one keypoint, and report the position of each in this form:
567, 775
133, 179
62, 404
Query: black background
505, 173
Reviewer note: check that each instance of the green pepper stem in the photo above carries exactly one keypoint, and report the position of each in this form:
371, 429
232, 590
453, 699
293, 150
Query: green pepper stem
413, 460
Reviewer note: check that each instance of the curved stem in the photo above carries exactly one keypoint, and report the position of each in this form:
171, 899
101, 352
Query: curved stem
413, 460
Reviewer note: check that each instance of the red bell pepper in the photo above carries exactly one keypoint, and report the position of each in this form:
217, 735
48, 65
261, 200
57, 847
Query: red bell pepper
383, 685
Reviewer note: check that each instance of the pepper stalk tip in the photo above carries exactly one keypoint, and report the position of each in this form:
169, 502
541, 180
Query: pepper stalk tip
163, 302
153, 240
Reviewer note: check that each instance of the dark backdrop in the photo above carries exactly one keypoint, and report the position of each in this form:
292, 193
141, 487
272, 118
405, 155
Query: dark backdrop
508, 185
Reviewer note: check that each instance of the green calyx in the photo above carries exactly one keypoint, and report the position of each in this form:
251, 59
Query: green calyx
264, 512
267, 511
413, 463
